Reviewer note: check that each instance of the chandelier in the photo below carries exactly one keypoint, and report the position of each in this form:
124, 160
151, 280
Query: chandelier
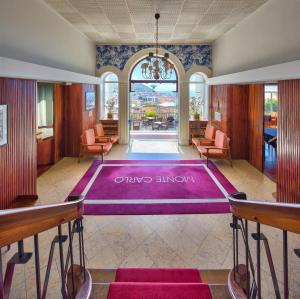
157, 67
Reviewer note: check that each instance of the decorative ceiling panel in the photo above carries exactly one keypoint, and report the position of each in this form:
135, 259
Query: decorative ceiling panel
181, 21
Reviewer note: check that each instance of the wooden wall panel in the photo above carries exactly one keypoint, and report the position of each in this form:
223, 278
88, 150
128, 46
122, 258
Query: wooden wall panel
76, 118
239, 122
255, 125
58, 96
18, 166
231, 102
220, 101
288, 144
72, 119
45, 152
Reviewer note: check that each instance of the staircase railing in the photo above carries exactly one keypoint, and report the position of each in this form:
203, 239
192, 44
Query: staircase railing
244, 281
20, 223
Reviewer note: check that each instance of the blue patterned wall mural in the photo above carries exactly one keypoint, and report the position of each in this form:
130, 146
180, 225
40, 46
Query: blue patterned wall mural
118, 55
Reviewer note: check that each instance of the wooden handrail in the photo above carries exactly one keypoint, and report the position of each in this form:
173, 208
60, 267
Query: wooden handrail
283, 216
18, 224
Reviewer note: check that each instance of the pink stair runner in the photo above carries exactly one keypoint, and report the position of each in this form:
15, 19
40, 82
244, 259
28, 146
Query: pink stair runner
137, 283
157, 275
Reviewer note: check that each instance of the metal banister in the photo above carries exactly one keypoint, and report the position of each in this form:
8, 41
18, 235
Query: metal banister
243, 282
20, 223
284, 216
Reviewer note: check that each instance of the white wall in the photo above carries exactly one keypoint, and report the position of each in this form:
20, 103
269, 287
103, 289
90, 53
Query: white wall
31, 31
271, 35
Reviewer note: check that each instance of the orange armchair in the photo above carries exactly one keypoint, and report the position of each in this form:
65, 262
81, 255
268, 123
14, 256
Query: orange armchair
101, 137
220, 149
90, 147
208, 139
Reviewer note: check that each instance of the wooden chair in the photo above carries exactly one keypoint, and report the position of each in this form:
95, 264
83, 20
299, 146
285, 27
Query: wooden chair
208, 138
220, 149
101, 137
89, 146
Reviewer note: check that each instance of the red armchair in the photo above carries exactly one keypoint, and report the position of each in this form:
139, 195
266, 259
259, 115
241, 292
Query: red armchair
89, 146
220, 149
101, 137
208, 139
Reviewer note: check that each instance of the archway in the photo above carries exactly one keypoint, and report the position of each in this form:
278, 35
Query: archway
109, 96
182, 91
153, 104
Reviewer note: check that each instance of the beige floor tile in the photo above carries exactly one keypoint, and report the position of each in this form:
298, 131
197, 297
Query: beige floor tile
202, 241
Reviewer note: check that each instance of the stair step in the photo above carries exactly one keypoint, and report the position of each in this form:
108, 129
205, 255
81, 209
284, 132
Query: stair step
217, 280
158, 275
149, 290
209, 276
218, 291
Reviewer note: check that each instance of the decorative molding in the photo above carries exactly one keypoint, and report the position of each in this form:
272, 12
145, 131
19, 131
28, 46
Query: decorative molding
283, 71
119, 55
12, 68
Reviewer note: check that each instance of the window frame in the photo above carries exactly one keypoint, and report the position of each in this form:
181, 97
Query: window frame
205, 90
147, 81
102, 98
272, 93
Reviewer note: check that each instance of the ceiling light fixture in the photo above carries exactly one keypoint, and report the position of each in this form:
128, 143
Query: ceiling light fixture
157, 67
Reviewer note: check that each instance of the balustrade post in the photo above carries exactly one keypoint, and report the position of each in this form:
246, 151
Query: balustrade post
37, 266
61, 256
82, 244
233, 246
285, 265
247, 259
72, 259
1, 277
258, 261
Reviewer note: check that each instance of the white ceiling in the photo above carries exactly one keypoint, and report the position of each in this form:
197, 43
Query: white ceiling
132, 21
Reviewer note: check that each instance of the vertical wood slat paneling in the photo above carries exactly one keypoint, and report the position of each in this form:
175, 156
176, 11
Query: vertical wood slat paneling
231, 101
58, 121
220, 97
18, 166
239, 122
255, 125
72, 119
76, 118
288, 144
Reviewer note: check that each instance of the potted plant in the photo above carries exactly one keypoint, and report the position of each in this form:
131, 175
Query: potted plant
151, 113
196, 104
110, 104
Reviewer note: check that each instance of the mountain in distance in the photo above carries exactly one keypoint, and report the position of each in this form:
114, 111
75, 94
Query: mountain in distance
143, 88
140, 87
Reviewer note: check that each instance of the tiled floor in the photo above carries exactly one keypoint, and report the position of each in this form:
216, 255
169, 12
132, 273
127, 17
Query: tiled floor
202, 241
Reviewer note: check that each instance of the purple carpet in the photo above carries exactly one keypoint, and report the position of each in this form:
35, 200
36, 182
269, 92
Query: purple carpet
136, 187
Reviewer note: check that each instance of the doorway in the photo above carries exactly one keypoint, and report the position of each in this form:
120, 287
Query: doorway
45, 126
270, 130
153, 106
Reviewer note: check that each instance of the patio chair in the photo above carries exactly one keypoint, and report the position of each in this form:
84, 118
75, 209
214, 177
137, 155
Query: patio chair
89, 146
171, 121
136, 125
101, 137
156, 126
208, 138
164, 126
220, 149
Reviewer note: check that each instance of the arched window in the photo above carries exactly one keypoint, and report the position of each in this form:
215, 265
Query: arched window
198, 97
109, 95
137, 74
153, 103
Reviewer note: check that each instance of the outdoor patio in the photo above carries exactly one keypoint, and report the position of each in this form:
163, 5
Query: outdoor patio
161, 122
